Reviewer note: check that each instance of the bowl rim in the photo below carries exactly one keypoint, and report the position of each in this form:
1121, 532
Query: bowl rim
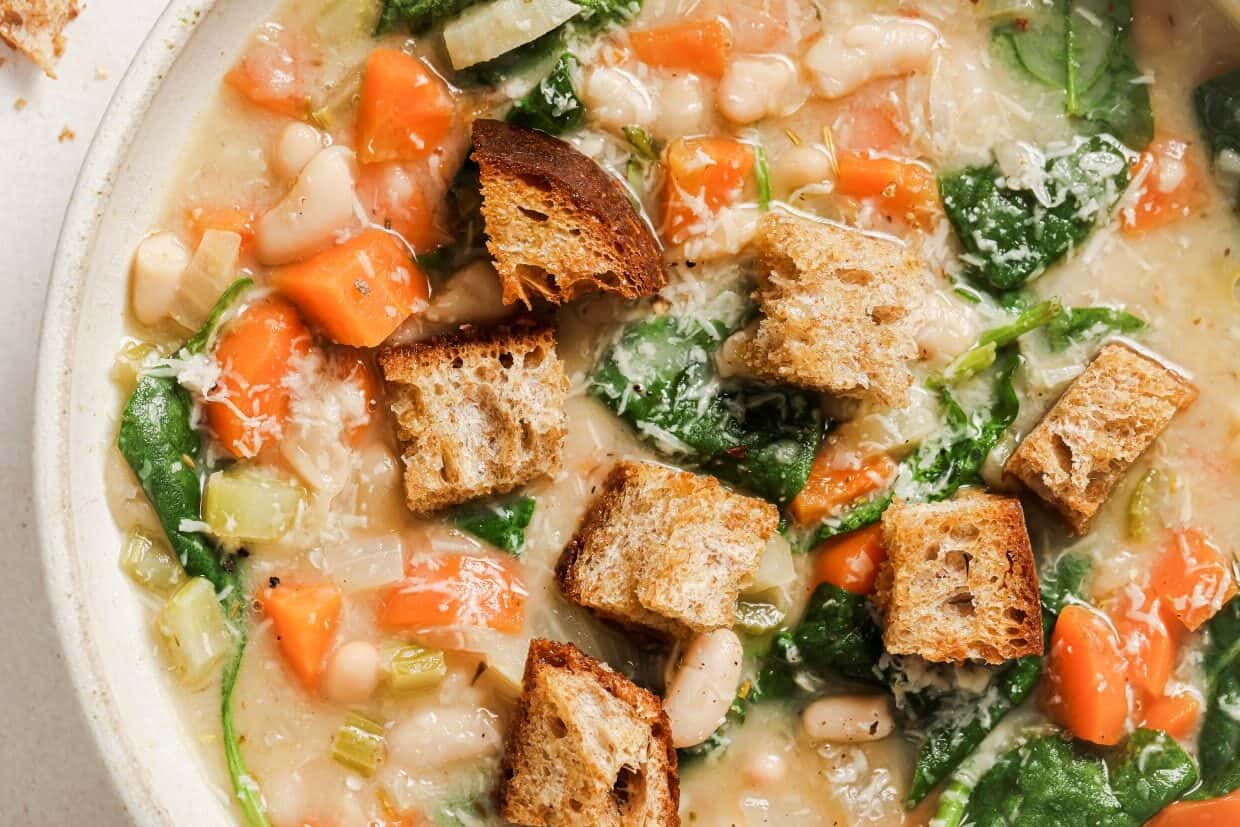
52, 453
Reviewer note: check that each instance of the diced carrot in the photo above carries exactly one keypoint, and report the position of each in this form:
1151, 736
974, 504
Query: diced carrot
851, 562
1175, 715
703, 176
269, 73
396, 199
250, 404
1173, 186
351, 366
405, 110
456, 590
1193, 577
1087, 689
233, 219
304, 619
1213, 812
700, 46
1145, 639
871, 122
357, 292
829, 487
904, 189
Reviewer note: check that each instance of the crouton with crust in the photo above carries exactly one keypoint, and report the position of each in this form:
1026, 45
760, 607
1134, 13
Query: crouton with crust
587, 746
959, 582
1104, 421
479, 412
557, 225
835, 310
34, 28
665, 551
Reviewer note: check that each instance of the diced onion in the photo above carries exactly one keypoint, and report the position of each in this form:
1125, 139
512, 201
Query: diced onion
485, 32
366, 563
775, 569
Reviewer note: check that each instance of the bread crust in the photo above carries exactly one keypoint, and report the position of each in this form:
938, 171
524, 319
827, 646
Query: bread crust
557, 225
34, 28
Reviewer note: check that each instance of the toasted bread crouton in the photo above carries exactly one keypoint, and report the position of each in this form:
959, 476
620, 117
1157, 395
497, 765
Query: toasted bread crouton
959, 582
557, 225
477, 413
1105, 420
665, 551
587, 746
835, 310
34, 28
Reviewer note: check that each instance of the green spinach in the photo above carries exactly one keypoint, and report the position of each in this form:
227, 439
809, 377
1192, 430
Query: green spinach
552, 106
501, 523
1083, 48
1217, 102
660, 377
1013, 231
1218, 746
1075, 324
418, 15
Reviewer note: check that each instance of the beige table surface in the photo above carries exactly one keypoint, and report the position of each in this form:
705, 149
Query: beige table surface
50, 773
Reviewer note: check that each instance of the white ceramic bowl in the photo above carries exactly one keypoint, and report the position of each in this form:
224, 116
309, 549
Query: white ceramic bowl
102, 624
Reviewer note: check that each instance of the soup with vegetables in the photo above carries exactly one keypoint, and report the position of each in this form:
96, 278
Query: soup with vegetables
729, 412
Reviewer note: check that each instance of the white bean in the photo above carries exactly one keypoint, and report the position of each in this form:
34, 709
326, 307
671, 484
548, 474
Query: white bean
438, 737
944, 328
682, 107
799, 166
840, 62
699, 694
296, 145
352, 673
753, 88
848, 718
472, 295
320, 207
158, 265
616, 99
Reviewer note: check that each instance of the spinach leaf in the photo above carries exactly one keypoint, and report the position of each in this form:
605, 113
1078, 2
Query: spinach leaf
1077, 323
418, 15
836, 636
1218, 746
1062, 584
1217, 102
501, 523
859, 516
1013, 232
660, 377
552, 106
1083, 48
721, 738
1052, 780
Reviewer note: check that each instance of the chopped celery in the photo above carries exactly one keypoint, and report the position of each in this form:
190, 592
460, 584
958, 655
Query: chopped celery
758, 618
411, 667
129, 361
150, 563
359, 744
1143, 504
195, 635
251, 503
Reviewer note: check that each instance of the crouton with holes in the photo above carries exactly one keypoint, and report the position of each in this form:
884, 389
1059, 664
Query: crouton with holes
665, 551
1104, 421
477, 413
587, 746
959, 582
557, 225
35, 27
836, 310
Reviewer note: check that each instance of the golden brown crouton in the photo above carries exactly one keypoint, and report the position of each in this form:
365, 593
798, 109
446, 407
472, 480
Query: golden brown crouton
477, 413
1105, 420
587, 746
34, 27
665, 550
557, 225
959, 582
835, 310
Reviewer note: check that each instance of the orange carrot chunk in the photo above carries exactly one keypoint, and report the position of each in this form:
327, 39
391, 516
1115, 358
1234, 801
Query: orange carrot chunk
233, 219
405, 110
456, 590
304, 619
1175, 715
1145, 639
829, 487
1173, 187
1213, 812
250, 404
1087, 689
851, 562
1193, 577
357, 292
905, 189
269, 74
396, 199
703, 176
700, 46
